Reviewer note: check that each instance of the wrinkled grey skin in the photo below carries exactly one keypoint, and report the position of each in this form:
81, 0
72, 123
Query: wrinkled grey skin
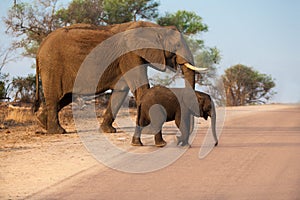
161, 104
62, 52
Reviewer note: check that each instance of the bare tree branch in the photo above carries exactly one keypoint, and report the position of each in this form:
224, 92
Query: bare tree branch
6, 56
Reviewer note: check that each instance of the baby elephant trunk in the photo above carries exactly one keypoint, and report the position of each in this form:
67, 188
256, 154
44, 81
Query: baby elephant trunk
213, 122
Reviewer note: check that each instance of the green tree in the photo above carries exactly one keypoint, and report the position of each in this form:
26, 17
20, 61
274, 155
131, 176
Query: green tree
82, 11
120, 11
3, 88
188, 23
104, 12
4, 85
24, 88
245, 86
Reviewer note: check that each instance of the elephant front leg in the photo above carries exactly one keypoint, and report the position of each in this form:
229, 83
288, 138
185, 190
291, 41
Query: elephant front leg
116, 100
136, 138
53, 126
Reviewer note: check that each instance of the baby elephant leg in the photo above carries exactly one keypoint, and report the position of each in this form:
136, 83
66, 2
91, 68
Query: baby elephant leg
159, 141
158, 116
136, 139
183, 123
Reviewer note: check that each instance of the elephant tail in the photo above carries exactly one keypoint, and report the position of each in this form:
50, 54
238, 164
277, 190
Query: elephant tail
37, 101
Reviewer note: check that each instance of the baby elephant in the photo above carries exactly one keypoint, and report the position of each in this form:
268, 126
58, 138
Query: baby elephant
160, 104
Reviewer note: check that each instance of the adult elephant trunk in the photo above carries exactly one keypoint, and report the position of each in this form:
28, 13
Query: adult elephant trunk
189, 70
189, 76
213, 122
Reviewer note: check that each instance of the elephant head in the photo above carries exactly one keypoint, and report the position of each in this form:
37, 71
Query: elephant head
161, 47
207, 109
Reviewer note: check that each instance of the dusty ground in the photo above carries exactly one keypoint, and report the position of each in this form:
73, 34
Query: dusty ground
258, 158
31, 161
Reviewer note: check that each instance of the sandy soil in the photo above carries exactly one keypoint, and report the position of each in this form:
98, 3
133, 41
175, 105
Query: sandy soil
39, 166
31, 161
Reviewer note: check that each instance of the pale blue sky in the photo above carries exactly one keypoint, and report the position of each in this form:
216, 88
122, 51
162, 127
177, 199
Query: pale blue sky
264, 34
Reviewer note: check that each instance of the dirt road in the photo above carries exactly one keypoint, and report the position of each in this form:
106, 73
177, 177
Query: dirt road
258, 157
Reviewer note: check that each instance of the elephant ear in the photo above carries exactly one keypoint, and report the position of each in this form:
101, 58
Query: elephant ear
147, 43
205, 104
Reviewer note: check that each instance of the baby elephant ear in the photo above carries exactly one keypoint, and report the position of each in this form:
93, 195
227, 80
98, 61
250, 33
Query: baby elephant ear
147, 43
190, 100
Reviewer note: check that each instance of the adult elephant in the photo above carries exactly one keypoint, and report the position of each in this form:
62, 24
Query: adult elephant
62, 53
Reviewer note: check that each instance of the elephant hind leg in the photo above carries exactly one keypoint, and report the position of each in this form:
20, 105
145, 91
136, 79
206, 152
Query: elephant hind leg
159, 141
158, 116
53, 126
42, 118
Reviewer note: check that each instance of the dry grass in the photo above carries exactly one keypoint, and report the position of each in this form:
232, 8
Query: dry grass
19, 114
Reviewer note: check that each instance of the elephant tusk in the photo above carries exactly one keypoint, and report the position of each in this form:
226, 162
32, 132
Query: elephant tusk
188, 65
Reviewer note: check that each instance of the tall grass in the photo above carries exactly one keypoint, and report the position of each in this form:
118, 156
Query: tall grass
19, 114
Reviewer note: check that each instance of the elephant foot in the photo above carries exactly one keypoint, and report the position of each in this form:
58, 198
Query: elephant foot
58, 130
159, 141
108, 128
161, 144
136, 141
183, 144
